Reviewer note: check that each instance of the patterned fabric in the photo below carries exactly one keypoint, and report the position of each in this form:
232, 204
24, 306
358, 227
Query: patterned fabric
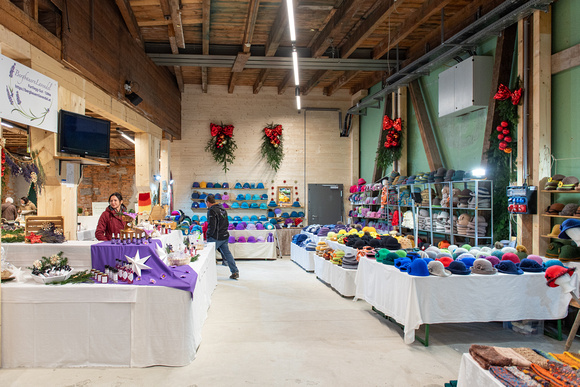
528, 371
554, 381
567, 359
527, 379
533, 356
506, 377
565, 373
546, 355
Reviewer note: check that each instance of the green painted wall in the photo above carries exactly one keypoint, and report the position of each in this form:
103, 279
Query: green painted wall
370, 130
566, 90
460, 139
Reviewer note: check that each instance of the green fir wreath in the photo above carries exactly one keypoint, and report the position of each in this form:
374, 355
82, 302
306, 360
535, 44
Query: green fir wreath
221, 144
272, 148
392, 149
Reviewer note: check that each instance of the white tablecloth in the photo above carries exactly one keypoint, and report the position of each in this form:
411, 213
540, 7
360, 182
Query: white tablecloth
302, 257
86, 235
77, 252
260, 250
471, 374
342, 280
105, 325
339, 246
413, 301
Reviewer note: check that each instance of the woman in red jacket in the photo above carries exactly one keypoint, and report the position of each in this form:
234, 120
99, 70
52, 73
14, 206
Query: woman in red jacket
111, 220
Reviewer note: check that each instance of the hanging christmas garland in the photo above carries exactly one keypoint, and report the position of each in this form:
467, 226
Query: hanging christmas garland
392, 149
272, 148
31, 169
222, 144
501, 155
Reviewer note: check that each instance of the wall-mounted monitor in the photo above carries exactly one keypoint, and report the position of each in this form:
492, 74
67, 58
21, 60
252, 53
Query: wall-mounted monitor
83, 135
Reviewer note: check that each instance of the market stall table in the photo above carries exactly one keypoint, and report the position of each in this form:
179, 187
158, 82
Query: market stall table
302, 257
105, 324
413, 301
263, 250
471, 374
341, 280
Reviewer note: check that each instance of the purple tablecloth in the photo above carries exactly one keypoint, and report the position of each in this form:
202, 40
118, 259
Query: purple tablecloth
179, 277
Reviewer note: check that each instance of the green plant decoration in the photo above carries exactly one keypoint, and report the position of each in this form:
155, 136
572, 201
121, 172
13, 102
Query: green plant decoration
222, 145
272, 148
392, 148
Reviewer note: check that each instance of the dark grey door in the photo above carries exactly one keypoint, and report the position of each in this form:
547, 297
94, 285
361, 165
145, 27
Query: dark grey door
325, 203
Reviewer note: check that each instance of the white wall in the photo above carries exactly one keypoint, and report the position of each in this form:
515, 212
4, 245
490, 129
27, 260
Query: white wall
328, 157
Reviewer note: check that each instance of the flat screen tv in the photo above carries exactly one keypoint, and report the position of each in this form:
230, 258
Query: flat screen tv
83, 135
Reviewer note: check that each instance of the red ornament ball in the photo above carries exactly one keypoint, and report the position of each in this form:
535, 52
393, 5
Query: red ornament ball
508, 139
500, 136
506, 131
502, 145
499, 128
284, 181
504, 124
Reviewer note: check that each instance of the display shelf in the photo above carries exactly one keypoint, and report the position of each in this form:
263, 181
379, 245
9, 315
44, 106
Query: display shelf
472, 236
559, 192
560, 216
471, 208
549, 236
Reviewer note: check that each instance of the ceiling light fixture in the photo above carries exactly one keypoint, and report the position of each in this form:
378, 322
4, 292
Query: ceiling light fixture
291, 20
295, 66
126, 137
130, 93
297, 93
6, 124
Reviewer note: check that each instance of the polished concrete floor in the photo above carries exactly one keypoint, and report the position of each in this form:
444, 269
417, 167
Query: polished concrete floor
280, 326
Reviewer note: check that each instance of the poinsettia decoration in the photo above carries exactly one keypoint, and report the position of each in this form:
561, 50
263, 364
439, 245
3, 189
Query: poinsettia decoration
391, 149
508, 113
222, 144
272, 148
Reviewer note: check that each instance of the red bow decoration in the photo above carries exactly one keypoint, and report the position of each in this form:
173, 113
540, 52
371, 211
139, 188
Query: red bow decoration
221, 132
273, 133
388, 123
504, 93
33, 238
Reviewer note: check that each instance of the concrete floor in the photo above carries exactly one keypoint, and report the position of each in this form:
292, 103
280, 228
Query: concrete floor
280, 326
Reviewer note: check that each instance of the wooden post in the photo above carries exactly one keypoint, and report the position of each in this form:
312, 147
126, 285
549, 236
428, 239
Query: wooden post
402, 112
541, 120
520, 159
425, 127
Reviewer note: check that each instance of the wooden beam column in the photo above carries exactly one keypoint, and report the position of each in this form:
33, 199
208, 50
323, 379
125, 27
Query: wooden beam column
146, 161
425, 127
401, 109
206, 7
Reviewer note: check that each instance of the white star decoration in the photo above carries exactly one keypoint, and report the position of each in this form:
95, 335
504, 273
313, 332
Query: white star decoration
18, 273
161, 254
138, 263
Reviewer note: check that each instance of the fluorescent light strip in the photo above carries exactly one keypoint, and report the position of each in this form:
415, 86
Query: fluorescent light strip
291, 20
295, 66
127, 137
7, 124
298, 105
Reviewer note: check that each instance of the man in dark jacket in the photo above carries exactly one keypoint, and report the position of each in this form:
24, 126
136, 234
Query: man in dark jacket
217, 232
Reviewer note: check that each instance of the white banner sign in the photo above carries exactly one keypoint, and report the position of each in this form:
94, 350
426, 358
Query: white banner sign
27, 96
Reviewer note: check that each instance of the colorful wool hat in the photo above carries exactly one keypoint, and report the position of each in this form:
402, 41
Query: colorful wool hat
446, 261
389, 258
231, 226
203, 184
436, 268
553, 250
259, 226
536, 258
260, 239
195, 185
195, 195
510, 257
203, 219
296, 204
569, 253
235, 205
202, 205
418, 268
508, 267
530, 265
467, 259
225, 185
209, 185
555, 272
225, 205
246, 186
251, 239
218, 196
493, 259
260, 186
240, 226
566, 225
242, 239
272, 203
195, 205
483, 266
248, 197
232, 239
254, 205
402, 263
458, 267
244, 205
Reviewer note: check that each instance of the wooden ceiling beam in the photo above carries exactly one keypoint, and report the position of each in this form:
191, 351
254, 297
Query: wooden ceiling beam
384, 9
344, 13
177, 22
277, 30
314, 81
165, 8
340, 82
233, 79
240, 62
204, 71
130, 20
31, 8
260, 80
250, 24
425, 127
205, 29
175, 51
285, 82
369, 82
416, 19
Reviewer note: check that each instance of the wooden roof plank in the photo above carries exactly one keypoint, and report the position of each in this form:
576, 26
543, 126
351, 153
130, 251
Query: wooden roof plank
418, 17
260, 80
277, 30
285, 82
177, 23
250, 24
314, 81
206, 7
340, 82
130, 20
345, 12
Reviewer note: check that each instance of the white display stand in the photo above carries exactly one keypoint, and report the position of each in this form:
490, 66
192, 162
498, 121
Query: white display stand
341, 280
413, 301
259, 250
302, 257
105, 325
471, 374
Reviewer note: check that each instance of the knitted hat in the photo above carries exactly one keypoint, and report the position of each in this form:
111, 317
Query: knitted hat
272, 203
244, 205
483, 266
536, 258
242, 239
553, 181
232, 239
467, 259
566, 225
553, 250
569, 210
552, 262
418, 268
510, 257
569, 253
259, 226
251, 239
531, 266
508, 267
389, 258
437, 268
446, 261
361, 181
403, 263
494, 260
458, 267
555, 231
296, 204
555, 208
555, 272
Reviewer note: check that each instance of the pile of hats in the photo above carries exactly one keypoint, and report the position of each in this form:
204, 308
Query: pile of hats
449, 175
439, 175
463, 198
337, 257
552, 183
321, 248
569, 183
444, 196
203, 184
422, 217
448, 225
405, 197
463, 222
554, 209
426, 195
483, 198
441, 219
481, 226
349, 261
